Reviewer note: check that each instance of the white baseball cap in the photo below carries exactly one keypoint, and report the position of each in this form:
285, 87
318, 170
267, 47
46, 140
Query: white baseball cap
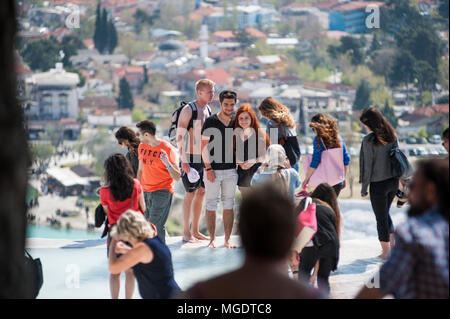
193, 175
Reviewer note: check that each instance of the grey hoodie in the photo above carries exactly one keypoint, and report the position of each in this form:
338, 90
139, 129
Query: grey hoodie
374, 162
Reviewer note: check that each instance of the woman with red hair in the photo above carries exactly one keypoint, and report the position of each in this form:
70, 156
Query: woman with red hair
250, 145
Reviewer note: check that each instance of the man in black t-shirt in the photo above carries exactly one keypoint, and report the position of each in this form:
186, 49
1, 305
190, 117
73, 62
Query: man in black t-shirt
220, 166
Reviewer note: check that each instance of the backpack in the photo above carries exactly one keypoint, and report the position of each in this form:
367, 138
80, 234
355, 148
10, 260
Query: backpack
291, 147
175, 117
399, 163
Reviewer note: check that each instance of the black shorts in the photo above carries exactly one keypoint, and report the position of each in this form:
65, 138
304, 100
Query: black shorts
245, 176
198, 165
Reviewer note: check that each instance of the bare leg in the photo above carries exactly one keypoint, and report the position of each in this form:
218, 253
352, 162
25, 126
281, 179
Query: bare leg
211, 224
197, 208
228, 220
114, 285
129, 283
312, 280
244, 190
385, 246
187, 203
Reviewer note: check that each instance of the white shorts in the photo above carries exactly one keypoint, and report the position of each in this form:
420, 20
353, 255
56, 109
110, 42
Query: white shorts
223, 188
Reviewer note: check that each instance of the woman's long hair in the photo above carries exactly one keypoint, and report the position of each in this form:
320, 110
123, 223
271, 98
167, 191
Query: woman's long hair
119, 177
384, 132
126, 134
326, 196
254, 125
326, 130
277, 112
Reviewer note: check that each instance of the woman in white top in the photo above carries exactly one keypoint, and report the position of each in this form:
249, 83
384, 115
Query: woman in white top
276, 169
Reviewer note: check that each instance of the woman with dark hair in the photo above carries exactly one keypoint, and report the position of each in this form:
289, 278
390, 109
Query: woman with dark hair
327, 137
128, 139
250, 145
120, 193
324, 247
376, 171
280, 118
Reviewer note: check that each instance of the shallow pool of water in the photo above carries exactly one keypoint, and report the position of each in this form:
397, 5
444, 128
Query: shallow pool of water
42, 231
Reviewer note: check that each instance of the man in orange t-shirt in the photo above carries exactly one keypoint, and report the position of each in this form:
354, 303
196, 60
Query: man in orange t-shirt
158, 169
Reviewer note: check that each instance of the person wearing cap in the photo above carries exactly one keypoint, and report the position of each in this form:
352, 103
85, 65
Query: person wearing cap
220, 166
191, 158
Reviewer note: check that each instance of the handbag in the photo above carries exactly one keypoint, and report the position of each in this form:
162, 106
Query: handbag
33, 267
307, 225
100, 216
399, 163
291, 147
330, 170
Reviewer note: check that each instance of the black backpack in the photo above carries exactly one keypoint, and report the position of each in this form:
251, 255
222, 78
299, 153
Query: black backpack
33, 267
176, 116
399, 163
291, 147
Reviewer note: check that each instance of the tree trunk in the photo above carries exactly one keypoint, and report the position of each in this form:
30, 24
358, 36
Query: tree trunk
14, 163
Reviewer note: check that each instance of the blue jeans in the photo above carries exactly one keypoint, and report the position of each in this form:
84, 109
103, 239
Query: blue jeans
296, 167
157, 210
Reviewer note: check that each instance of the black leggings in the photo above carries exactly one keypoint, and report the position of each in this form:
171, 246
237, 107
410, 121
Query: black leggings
308, 258
381, 196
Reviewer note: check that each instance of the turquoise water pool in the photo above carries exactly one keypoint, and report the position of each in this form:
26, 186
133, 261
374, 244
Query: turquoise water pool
42, 231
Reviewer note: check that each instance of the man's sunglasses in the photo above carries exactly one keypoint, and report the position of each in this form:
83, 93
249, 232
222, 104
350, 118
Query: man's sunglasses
228, 93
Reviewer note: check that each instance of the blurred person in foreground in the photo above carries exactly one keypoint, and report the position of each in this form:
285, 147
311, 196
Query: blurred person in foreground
267, 226
418, 265
445, 137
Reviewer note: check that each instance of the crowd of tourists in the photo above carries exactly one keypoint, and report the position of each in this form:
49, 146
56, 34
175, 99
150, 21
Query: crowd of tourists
214, 155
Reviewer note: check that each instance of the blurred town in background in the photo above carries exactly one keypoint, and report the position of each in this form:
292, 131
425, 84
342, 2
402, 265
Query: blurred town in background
88, 67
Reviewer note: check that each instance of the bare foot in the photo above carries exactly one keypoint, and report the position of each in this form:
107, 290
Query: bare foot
384, 256
190, 239
229, 245
212, 244
200, 236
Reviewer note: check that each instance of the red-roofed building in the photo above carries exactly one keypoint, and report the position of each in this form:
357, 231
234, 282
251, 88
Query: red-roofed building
192, 45
255, 33
326, 5
219, 76
133, 74
434, 110
89, 44
119, 5
198, 14
223, 36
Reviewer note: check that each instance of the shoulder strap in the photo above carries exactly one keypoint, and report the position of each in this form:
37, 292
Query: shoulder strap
282, 132
194, 114
323, 144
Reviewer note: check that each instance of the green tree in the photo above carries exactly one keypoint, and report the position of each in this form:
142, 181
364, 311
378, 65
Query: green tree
42, 54
70, 46
403, 69
426, 76
422, 132
145, 74
112, 37
244, 39
376, 45
362, 98
389, 114
125, 96
41, 153
138, 115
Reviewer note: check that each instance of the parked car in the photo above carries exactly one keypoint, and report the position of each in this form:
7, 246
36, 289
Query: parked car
422, 151
411, 140
442, 151
422, 140
435, 139
433, 152
412, 152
